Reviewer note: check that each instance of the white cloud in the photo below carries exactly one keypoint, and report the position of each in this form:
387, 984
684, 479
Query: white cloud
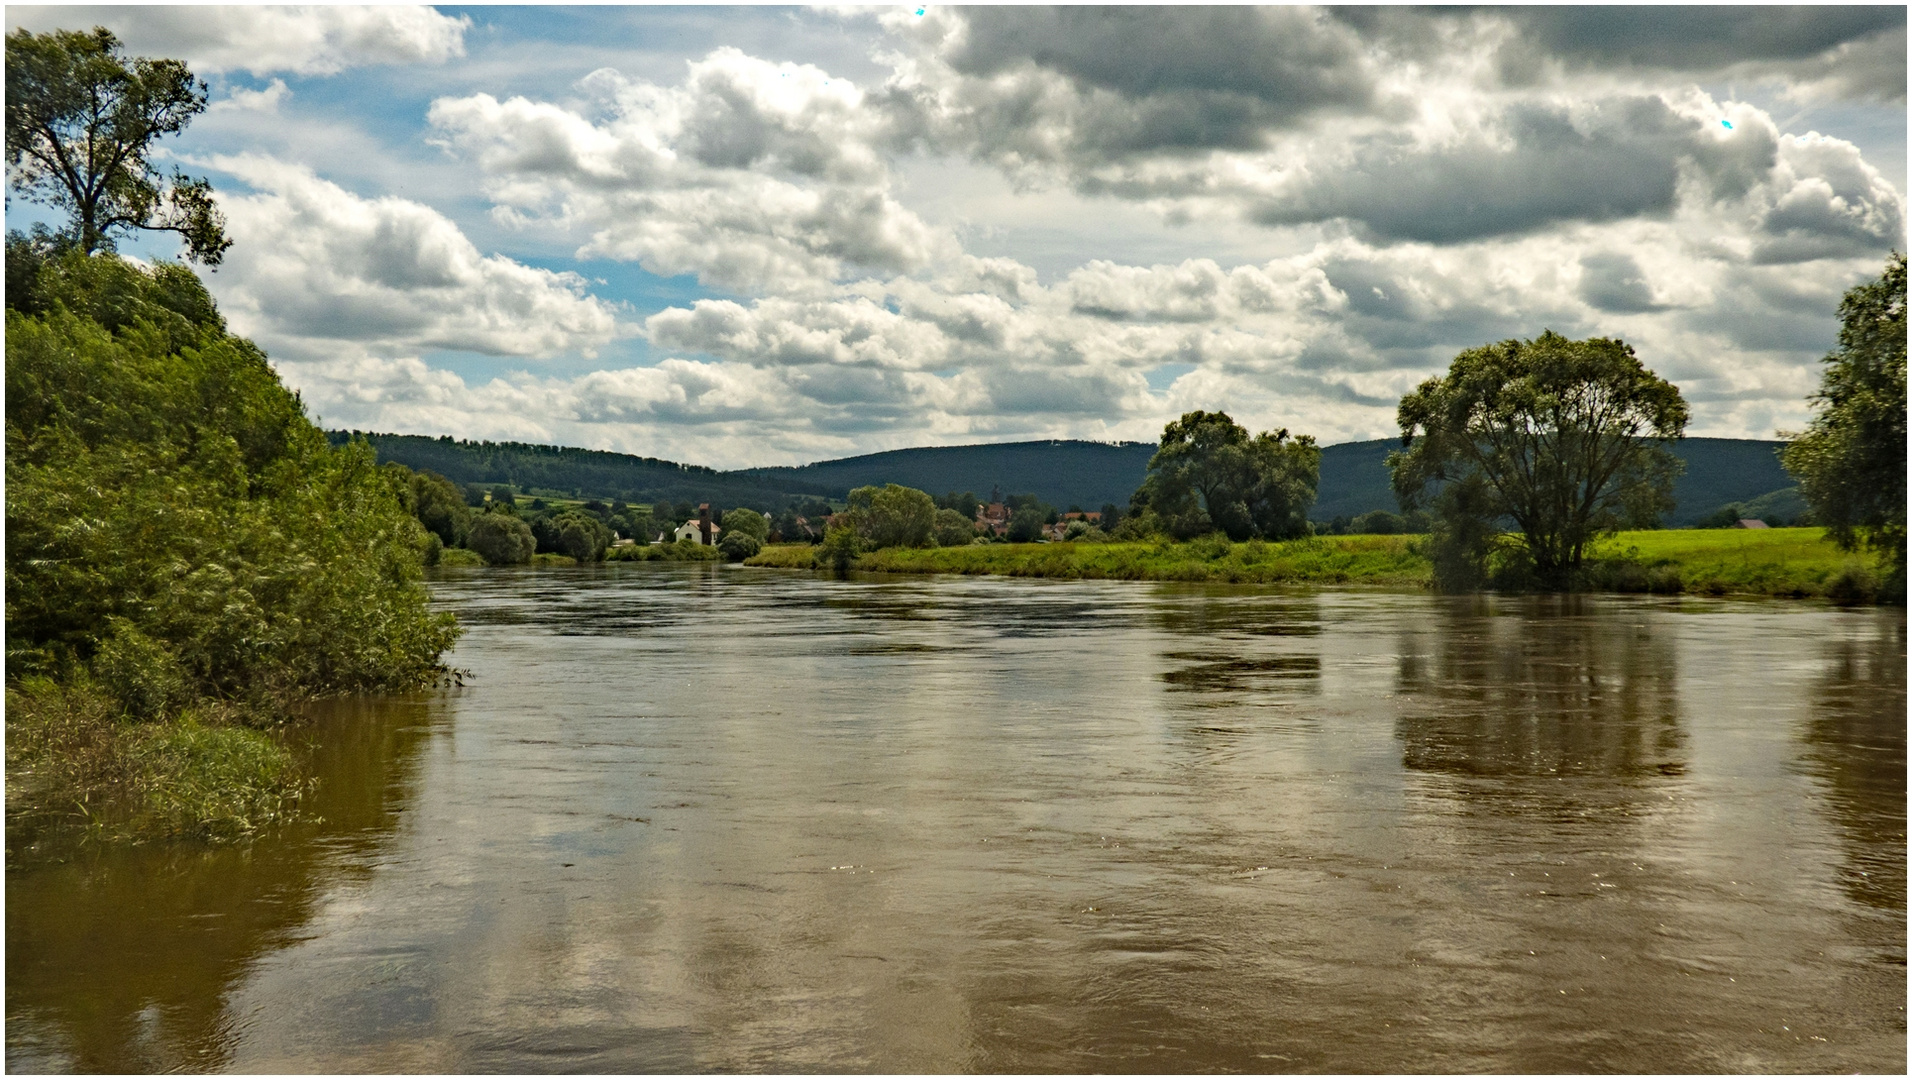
752, 175
313, 265
265, 101
301, 40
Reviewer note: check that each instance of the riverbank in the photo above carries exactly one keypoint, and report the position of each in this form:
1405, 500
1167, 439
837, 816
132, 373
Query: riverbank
1764, 562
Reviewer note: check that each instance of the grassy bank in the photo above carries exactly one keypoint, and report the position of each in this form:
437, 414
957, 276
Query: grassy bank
74, 758
1337, 560
1770, 562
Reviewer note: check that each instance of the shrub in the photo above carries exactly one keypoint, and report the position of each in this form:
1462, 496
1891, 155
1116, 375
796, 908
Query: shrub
166, 495
1855, 583
738, 546
502, 540
952, 529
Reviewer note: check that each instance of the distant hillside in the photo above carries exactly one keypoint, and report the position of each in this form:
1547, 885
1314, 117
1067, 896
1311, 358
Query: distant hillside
1060, 472
1354, 476
566, 469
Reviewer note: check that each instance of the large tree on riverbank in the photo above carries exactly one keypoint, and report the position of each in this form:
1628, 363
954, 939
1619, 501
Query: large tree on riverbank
1851, 461
1567, 439
82, 122
1209, 474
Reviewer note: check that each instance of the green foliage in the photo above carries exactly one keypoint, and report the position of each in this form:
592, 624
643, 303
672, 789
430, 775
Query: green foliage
1025, 525
738, 546
460, 557
574, 533
501, 540
72, 755
951, 529
440, 507
1210, 474
82, 121
891, 516
964, 503
1851, 459
748, 522
1565, 438
167, 495
842, 543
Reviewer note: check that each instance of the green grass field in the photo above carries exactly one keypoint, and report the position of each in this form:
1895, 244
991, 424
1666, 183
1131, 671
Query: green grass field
1767, 562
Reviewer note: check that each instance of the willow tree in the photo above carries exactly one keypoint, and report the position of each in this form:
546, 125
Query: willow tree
82, 123
1850, 462
1567, 439
1208, 474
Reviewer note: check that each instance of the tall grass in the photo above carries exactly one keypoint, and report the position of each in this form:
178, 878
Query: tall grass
1768, 562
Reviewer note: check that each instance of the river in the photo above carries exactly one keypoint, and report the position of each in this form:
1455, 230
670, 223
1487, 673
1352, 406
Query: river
703, 818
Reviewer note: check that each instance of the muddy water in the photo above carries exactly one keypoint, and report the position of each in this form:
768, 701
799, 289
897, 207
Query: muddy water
699, 818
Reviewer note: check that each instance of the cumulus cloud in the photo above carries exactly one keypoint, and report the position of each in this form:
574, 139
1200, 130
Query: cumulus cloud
313, 265
1407, 188
751, 175
301, 40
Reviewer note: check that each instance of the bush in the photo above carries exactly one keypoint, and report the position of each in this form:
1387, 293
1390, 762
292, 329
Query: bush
841, 545
738, 546
952, 529
460, 557
1855, 583
166, 495
502, 540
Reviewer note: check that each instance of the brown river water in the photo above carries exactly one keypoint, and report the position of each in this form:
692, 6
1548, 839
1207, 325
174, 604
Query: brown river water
698, 818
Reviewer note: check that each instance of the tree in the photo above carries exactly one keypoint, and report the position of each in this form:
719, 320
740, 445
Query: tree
893, 515
440, 507
952, 529
1025, 525
501, 539
1565, 438
1850, 461
580, 535
1209, 474
82, 120
963, 502
747, 522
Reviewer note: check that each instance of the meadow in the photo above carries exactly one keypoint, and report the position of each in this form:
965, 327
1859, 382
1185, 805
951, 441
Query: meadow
1765, 562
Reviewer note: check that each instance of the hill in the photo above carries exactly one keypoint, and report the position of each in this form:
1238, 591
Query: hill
1060, 472
1354, 476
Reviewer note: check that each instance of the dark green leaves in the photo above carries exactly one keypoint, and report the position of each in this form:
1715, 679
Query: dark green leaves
1851, 461
1565, 438
1210, 474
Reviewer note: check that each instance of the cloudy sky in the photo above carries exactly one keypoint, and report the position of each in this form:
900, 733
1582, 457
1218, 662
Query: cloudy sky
751, 236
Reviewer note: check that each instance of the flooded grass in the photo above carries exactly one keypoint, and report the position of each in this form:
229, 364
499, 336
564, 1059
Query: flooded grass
75, 761
1718, 562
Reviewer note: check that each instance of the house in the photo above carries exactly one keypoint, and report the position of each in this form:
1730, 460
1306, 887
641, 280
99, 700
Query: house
700, 529
1750, 523
1093, 517
993, 515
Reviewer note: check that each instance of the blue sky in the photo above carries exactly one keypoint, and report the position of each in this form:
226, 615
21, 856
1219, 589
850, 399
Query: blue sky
748, 236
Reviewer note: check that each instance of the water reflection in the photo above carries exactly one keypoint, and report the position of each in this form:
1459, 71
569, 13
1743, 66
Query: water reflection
1541, 686
120, 960
711, 819
1856, 743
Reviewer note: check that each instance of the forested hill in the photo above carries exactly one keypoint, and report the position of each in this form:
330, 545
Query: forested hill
1060, 472
1354, 476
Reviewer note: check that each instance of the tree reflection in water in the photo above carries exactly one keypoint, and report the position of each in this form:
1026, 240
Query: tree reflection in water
1855, 739
1528, 689
122, 959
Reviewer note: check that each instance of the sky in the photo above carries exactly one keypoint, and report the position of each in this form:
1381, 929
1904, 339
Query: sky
771, 235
